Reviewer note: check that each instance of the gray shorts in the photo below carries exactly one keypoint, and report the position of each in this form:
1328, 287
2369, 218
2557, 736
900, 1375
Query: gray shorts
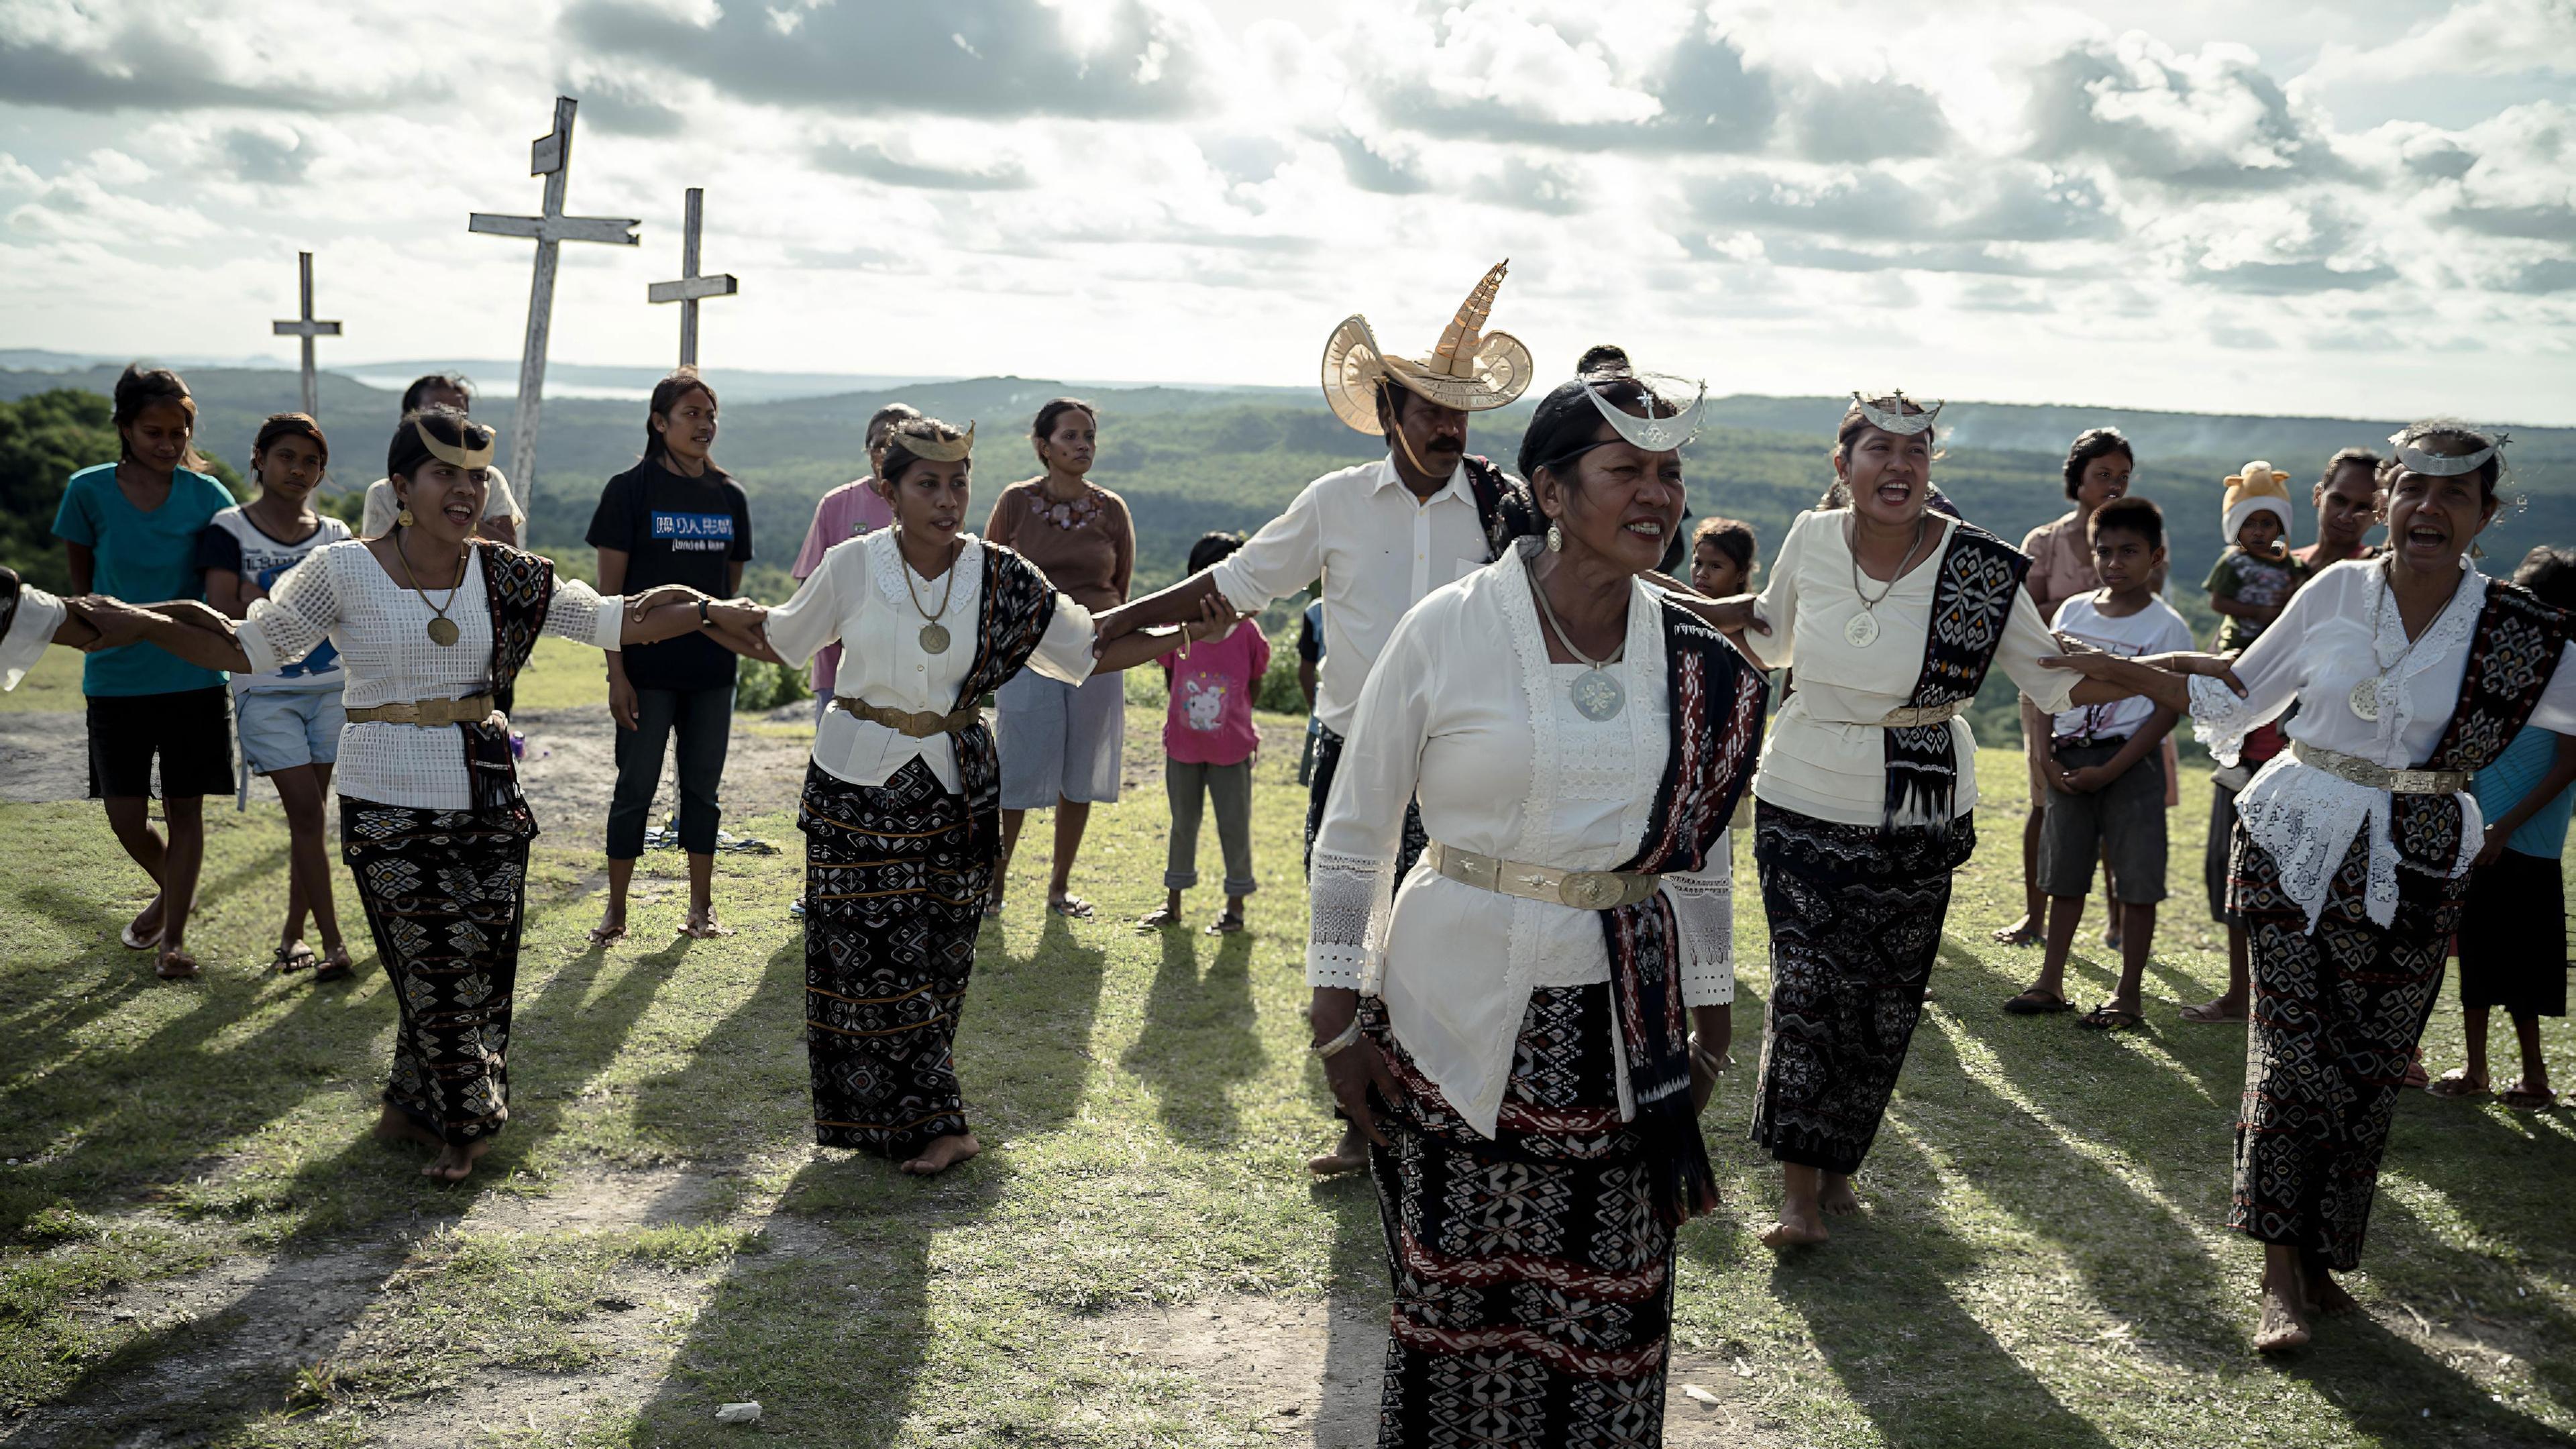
2123, 823
1059, 741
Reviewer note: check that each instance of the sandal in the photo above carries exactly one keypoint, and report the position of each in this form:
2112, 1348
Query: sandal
335, 967
293, 958
2035, 1002
1157, 919
2024, 936
2110, 1018
2208, 1014
1225, 925
132, 942
2528, 1099
607, 935
2456, 1084
1071, 907
175, 966
709, 929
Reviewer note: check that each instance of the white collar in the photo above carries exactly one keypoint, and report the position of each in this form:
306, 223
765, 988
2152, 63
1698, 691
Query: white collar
1456, 488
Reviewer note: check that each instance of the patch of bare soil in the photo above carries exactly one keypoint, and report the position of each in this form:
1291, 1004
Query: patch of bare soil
44, 756
571, 768
1312, 1372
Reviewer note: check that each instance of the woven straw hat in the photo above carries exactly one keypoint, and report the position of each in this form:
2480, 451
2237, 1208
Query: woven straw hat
1471, 370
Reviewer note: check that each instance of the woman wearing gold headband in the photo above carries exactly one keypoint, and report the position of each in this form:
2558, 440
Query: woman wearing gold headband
902, 814
430, 622
2353, 846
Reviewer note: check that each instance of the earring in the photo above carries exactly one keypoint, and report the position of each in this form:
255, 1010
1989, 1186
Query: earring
1555, 539
404, 518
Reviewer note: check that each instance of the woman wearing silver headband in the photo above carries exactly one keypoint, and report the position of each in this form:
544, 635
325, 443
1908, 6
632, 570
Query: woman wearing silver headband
2410, 671
430, 623
1867, 784
902, 803
1527, 1024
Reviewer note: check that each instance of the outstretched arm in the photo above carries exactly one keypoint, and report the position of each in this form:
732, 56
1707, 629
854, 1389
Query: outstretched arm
183, 627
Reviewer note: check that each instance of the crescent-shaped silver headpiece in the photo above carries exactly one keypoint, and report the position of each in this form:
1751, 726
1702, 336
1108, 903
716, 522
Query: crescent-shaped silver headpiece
1899, 421
2441, 465
1654, 434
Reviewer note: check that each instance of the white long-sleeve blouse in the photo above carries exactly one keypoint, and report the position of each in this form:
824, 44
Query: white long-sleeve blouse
856, 597
342, 593
1826, 755
1465, 712
30, 633
2336, 632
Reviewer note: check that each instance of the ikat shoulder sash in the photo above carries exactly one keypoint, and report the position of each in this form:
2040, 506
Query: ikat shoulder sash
2513, 651
1018, 605
517, 587
1971, 600
1503, 505
1717, 705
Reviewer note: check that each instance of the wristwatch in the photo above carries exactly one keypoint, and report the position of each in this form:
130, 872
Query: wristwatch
703, 621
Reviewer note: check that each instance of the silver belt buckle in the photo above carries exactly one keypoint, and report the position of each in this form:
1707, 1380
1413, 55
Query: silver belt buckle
2415, 782
1591, 890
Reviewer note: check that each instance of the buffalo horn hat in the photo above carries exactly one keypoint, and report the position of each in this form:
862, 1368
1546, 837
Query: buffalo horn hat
1471, 370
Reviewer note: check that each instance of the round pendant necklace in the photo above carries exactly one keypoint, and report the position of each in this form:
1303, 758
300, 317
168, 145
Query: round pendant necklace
442, 630
1862, 631
1597, 693
934, 635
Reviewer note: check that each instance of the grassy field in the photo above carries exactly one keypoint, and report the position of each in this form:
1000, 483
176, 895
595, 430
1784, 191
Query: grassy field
199, 1244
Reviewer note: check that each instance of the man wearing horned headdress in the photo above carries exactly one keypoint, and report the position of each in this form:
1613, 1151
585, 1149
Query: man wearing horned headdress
1382, 534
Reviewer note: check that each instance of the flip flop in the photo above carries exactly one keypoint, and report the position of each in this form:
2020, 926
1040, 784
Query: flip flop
1225, 926
2202, 1015
2110, 1018
2456, 1084
2035, 1002
713, 930
2528, 1099
605, 936
175, 966
290, 959
1071, 907
2026, 936
133, 942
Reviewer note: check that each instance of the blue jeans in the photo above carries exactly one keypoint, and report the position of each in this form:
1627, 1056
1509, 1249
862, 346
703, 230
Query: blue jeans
703, 719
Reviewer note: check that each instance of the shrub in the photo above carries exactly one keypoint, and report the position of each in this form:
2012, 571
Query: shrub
760, 686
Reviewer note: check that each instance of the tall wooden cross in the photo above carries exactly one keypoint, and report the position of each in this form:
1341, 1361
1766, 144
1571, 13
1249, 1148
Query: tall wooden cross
308, 329
551, 158
690, 287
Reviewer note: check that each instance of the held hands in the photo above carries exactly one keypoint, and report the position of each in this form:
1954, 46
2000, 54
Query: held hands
1216, 619
1111, 625
639, 605
118, 623
1728, 616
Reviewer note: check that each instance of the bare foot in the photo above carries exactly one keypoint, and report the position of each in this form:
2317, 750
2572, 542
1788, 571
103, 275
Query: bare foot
1157, 918
175, 965
455, 1161
702, 925
335, 966
1800, 1224
610, 930
1074, 907
2284, 1326
2217, 1011
1838, 1197
394, 1124
2326, 1297
1350, 1155
944, 1153
2024, 932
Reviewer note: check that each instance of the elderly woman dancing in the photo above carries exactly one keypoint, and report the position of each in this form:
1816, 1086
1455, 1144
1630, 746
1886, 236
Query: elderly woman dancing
2410, 671
1542, 1004
1867, 784
431, 623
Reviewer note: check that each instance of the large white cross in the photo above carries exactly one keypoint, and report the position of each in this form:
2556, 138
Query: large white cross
690, 287
308, 329
551, 158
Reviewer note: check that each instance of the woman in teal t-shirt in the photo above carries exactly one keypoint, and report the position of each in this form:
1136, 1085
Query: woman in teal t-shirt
130, 529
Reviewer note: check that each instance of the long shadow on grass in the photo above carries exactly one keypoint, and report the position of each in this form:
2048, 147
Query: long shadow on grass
744, 1086
828, 1327
1199, 1039
1024, 1033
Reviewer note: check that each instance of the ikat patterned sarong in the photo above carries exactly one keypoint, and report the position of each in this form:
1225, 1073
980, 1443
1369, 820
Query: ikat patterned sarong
1856, 914
894, 892
1533, 1278
444, 892
2335, 1018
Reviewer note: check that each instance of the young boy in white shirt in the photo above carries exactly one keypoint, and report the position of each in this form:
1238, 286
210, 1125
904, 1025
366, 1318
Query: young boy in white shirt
2106, 788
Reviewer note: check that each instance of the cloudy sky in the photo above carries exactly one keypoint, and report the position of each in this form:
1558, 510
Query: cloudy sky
2359, 207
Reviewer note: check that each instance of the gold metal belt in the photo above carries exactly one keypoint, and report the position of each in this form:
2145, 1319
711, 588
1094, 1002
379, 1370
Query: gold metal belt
1912, 717
469, 710
2379, 777
919, 724
1585, 890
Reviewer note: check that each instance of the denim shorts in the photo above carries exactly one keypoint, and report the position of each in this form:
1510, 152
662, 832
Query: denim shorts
284, 728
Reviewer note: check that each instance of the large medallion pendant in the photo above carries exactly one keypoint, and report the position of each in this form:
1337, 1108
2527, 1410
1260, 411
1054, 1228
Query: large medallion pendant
934, 638
442, 632
2365, 699
1598, 697
1862, 631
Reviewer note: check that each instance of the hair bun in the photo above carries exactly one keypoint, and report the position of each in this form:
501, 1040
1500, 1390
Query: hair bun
1603, 359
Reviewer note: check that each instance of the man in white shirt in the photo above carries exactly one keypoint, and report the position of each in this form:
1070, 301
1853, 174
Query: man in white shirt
501, 512
1381, 534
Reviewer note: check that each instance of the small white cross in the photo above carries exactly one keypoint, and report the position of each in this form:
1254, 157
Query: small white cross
307, 328
690, 287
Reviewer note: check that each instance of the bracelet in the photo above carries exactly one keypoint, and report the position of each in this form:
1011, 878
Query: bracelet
1699, 1055
1340, 1042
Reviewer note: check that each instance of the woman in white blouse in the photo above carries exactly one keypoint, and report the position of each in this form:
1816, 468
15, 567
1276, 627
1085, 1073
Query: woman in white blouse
2353, 846
430, 624
901, 811
1507, 1023
1867, 785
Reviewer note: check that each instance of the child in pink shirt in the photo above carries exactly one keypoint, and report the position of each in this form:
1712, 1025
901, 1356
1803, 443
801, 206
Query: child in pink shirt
1208, 746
